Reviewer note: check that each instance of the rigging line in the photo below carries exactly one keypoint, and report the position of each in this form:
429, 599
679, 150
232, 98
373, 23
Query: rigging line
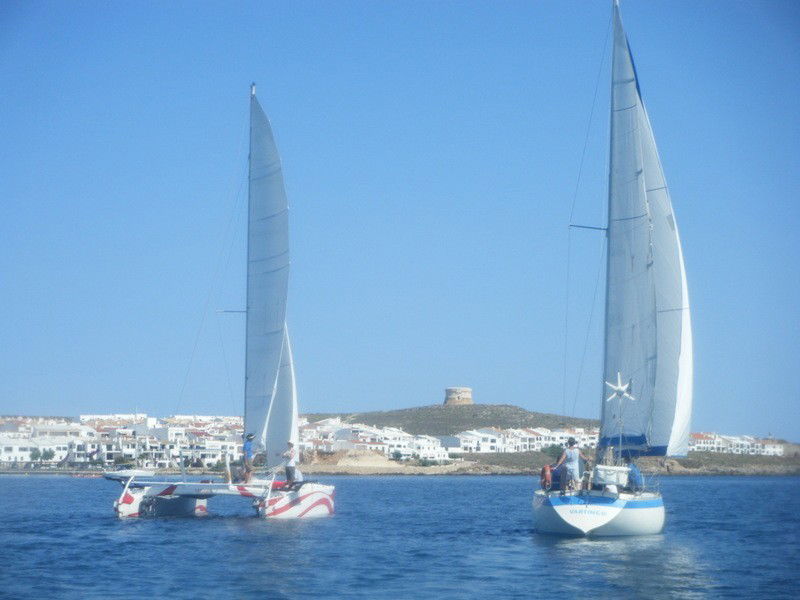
572, 213
214, 278
589, 124
225, 362
589, 326
566, 324
238, 214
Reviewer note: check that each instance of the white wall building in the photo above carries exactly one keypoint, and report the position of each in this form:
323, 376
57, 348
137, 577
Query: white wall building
734, 444
427, 447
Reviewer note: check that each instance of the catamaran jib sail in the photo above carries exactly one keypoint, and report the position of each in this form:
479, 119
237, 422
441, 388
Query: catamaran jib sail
270, 411
648, 337
282, 414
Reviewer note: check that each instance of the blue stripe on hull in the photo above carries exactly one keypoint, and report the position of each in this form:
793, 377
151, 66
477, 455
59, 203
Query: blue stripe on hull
604, 501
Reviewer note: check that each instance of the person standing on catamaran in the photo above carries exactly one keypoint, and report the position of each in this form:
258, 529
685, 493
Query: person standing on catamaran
291, 461
247, 450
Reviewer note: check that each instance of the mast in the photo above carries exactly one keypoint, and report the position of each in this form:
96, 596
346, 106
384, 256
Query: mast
600, 448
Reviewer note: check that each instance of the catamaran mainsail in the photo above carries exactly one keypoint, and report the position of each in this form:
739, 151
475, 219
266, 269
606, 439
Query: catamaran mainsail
647, 395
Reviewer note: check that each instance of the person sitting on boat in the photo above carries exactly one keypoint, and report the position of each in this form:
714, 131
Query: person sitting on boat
247, 449
550, 477
635, 478
571, 460
291, 461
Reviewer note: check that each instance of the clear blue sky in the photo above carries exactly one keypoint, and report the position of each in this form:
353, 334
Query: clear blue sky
431, 154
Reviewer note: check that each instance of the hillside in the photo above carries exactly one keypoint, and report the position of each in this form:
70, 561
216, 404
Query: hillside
448, 420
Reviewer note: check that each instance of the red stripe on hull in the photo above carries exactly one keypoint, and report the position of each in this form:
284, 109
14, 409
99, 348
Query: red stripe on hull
291, 504
324, 500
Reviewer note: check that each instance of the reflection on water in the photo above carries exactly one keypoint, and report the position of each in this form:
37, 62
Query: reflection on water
642, 567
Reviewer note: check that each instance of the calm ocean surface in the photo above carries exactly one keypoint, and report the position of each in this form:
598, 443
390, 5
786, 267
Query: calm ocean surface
398, 537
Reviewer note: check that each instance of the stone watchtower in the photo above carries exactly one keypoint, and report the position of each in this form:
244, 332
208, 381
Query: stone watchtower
458, 396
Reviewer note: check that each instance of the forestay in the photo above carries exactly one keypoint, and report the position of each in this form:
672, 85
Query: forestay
648, 340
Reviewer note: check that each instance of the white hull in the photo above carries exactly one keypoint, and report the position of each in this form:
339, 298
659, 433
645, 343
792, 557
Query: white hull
311, 500
138, 503
189, 499
598, 514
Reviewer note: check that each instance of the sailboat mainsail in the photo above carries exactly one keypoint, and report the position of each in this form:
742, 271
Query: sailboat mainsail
270, 411
648, 337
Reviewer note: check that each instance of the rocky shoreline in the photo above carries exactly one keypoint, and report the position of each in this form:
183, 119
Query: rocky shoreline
529, 464
359, 463
481, 469
455, 470
704, 464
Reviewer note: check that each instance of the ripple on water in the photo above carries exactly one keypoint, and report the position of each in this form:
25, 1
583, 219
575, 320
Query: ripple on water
397, 537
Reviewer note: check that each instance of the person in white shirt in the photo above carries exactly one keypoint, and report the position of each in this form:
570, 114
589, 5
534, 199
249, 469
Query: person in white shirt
570, 458
291, 461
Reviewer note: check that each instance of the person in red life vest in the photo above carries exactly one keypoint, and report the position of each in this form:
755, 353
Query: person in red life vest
546, 477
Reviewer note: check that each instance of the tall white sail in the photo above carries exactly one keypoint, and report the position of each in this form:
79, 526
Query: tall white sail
267, 275
648, 342
282, 414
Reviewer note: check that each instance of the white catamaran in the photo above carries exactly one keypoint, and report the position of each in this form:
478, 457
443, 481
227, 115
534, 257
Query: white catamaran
270, 411
647, 396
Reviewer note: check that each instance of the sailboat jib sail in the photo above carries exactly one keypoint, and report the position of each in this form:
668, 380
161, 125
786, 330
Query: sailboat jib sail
281, 424
648, 342
267, 274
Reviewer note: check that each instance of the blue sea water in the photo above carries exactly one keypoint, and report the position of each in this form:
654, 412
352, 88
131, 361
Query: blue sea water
398, 537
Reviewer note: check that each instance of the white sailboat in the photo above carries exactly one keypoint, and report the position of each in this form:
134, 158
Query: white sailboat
647, 395
270, 407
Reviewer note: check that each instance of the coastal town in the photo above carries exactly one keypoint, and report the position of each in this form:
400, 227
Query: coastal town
104, 440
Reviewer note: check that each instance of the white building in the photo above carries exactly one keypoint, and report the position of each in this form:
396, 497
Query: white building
427, 447
76, 450
733, 444
479, 440
71, 430
492, 439
121, 417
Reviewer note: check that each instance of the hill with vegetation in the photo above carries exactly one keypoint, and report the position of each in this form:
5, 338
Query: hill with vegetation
449, 420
